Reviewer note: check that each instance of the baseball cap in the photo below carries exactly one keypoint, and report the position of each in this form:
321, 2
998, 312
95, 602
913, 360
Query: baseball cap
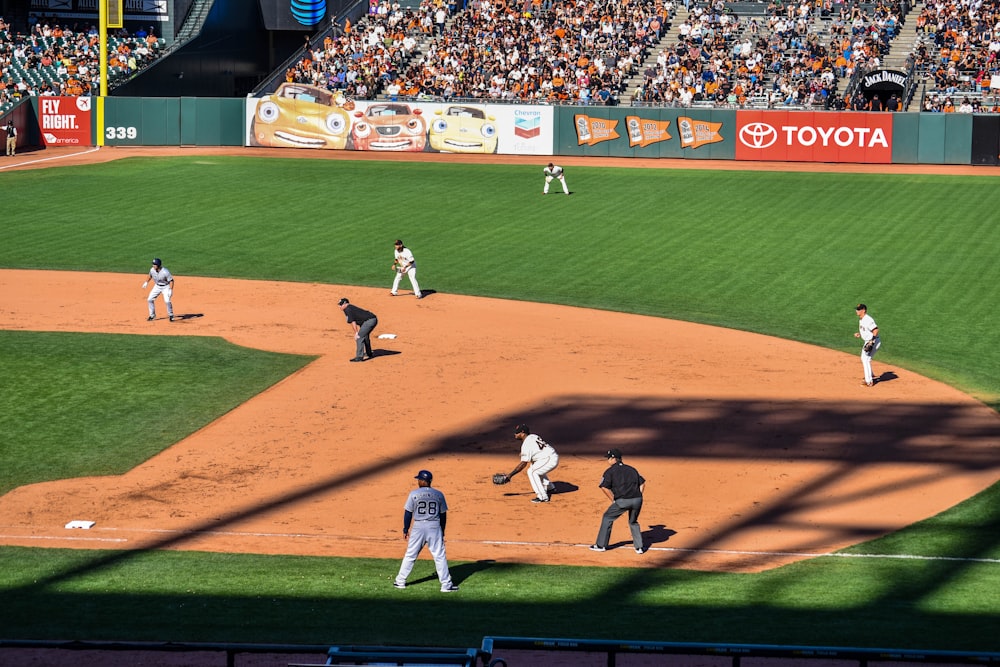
861, 306
157, 262
424, 475
522, 428
343, 301
614, 454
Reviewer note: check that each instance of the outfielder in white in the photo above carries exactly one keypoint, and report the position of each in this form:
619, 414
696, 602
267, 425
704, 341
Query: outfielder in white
554, 171
540, 458
424, 516
163, 283
404, 262
867, 330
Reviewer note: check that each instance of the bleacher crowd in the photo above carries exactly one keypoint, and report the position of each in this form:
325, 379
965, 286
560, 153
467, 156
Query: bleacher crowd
54, 59
794, 54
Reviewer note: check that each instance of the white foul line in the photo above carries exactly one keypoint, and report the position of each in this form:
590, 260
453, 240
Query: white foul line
549, 545
46, 159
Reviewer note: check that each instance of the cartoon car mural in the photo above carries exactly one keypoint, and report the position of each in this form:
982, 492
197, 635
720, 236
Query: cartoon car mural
460, 129
389, 127
298, 115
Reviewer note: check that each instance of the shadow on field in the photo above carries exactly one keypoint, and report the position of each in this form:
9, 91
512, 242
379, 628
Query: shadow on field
851, 435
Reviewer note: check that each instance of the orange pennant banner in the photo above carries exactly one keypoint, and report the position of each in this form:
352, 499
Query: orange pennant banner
592, 131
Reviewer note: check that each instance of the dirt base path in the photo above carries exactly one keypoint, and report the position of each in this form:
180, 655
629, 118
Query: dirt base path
758, 452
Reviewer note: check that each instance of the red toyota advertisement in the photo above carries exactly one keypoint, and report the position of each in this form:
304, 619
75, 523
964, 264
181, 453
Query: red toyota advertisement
820, 136
64, 121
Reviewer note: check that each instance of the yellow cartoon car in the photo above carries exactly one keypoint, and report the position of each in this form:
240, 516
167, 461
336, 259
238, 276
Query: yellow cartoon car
460, 129
298, 115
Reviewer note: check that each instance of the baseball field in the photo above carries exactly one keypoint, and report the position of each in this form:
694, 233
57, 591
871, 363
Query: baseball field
246, 482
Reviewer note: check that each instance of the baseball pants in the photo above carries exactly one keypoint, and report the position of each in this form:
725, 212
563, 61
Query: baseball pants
866, 361
429, 533
411, 273
538, 477
548, 179
621, 505
363, 342
167, 291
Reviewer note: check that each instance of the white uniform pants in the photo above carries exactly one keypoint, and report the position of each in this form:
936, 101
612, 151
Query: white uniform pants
167, 291
411, 273
429, 533
866, 361
562, 179
538, 475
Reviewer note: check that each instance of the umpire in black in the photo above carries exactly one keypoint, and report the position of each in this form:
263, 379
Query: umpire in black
623, 485
363, 323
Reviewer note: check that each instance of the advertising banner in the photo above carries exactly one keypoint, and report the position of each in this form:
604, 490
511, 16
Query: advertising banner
821, 136
304, 116
64, 121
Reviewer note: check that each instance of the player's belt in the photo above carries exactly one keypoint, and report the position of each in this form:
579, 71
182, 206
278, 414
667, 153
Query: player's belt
162, 284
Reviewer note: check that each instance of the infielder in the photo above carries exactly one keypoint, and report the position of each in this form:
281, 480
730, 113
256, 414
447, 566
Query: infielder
540, 458
404, 262
554, 171
424, 516
163, 283
868, 332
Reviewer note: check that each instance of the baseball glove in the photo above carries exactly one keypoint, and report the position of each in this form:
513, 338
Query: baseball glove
500, 478
869, 346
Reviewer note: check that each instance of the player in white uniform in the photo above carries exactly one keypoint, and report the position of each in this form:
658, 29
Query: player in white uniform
867, 330
163, 283
424, 516
554, 171
540, 458
404, 262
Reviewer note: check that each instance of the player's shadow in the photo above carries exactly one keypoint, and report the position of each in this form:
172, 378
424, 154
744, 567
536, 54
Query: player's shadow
564, 487
188, 316
385, 353
459, 572
657, 534
887, 376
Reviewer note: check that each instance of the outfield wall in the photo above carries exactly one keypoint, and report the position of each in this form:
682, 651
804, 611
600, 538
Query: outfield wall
313, 119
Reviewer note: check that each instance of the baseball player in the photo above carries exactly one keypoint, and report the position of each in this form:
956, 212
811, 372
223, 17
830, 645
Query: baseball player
424, 516
868, 332
554, 171
404, 262
363, 322
540, 459
163, 283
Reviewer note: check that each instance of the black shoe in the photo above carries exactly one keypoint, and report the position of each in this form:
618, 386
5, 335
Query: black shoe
539, 500
171, 318
151, 318
358, 359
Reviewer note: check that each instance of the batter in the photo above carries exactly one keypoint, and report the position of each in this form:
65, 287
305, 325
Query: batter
424, 516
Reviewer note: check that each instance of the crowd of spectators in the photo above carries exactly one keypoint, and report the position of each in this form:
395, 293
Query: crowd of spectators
580, 51
958, 51
798, 55
55, 59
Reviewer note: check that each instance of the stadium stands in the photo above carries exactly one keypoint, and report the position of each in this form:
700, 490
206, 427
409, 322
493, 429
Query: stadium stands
58, 60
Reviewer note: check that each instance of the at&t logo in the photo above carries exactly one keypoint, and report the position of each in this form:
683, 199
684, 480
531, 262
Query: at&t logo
758, 135
308, 12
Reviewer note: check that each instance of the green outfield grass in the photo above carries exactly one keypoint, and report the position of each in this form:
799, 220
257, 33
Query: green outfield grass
786, 254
